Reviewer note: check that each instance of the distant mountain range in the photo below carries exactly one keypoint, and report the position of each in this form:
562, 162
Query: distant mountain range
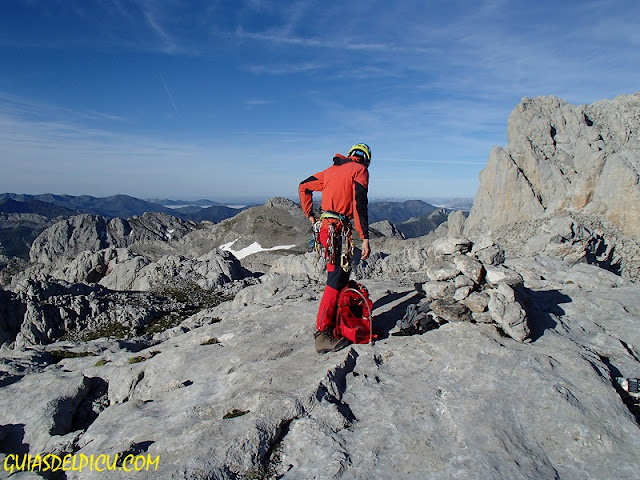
23, 217
38, 207
116, 206
397, 212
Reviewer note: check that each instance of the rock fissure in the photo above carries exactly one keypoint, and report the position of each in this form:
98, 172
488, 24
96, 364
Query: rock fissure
632, 403
332, 389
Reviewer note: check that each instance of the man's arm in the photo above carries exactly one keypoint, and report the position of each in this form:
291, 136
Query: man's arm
360, 201
312, 184
361, 214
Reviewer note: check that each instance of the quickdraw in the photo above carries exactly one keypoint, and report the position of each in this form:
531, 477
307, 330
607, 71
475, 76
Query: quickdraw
343, 228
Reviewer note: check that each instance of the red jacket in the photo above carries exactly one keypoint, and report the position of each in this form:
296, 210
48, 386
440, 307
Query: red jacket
344, 188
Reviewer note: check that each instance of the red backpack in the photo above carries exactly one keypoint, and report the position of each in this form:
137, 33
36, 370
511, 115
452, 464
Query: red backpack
354, 317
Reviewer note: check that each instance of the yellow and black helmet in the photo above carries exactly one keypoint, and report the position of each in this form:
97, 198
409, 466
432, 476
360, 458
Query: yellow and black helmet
361, 150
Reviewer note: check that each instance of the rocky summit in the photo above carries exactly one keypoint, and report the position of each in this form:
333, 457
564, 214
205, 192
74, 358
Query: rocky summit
160, 348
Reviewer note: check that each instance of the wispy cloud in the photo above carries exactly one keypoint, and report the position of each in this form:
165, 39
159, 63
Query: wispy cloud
283, 69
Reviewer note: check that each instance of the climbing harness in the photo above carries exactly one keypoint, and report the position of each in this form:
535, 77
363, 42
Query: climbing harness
336, 224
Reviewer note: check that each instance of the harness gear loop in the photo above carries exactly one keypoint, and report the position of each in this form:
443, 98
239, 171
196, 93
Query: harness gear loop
335, 224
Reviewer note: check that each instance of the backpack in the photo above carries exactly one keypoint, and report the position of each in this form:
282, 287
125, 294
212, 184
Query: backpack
354, 315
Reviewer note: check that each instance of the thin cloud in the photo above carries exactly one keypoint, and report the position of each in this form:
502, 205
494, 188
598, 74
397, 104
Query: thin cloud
22, 107
282, 69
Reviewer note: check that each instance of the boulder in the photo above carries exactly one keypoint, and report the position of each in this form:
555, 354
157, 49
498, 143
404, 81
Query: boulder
442, 271
477, 302
450, 310
491, 255
451, 245
508, 313
455, 223
435, 290
496, 275
470, 267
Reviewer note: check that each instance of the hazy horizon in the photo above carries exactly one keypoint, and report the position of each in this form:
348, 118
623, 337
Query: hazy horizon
245, 200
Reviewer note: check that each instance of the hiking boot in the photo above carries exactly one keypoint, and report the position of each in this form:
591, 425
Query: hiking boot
325, 342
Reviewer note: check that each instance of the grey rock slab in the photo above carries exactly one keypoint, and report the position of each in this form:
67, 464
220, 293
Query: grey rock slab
442, 271
451, 245
40, 407
491, 255
463, 281
459, 402
455, 223
502, 274
508, 313
263, 364
435, 290
462, 293
470, 267
450, 310
477, 302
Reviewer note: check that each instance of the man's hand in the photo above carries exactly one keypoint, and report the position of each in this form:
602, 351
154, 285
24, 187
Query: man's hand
312, 219
366, 251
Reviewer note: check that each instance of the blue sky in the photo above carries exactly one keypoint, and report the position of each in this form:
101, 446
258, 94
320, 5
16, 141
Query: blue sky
241, 100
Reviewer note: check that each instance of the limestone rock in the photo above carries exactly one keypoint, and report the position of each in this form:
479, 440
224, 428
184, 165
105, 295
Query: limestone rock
501, 274
450, 310
385, 228
67, 238
435, 290
442, 271
462, 293
53, 401
463, 281
455, 223
562, 157
477, 302
491, 255
508, 313
451, 245
248, 396
470, 267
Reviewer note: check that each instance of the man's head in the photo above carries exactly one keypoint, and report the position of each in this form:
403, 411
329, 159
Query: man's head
362, 153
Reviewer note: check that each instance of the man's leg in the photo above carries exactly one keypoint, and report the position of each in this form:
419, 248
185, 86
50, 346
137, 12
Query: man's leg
336, 280
326, 320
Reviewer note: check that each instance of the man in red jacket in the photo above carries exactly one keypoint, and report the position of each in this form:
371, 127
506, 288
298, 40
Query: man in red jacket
344, 188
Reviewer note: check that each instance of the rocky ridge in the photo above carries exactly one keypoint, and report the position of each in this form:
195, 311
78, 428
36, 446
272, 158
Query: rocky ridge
565, 159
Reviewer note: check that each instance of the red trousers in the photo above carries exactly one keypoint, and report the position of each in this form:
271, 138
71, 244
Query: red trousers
337, 279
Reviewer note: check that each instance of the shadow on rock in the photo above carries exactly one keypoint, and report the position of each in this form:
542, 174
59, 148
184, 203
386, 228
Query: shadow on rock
385, 321
543, 308
12, 439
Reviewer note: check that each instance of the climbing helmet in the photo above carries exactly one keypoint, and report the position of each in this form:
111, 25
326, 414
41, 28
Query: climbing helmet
361, 150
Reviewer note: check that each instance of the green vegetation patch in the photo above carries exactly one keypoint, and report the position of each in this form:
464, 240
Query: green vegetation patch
166, 322
235, 413
193, 296
62, 354
111, 330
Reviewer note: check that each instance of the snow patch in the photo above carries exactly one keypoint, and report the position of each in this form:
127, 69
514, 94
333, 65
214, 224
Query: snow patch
255, 247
